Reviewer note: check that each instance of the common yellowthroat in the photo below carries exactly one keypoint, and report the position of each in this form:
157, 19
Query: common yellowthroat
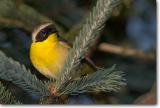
48, 51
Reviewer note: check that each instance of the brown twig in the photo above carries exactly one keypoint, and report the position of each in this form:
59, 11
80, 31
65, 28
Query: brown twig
15, 22
148, 98
24, 16
109, 48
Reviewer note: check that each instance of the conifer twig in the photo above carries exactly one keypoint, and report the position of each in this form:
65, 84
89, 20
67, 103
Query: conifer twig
148, 98
6, 97
11, 70
94, 23
109, 48
14, 14
102, 80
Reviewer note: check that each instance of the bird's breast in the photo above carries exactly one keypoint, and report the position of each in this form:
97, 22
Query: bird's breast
48, 59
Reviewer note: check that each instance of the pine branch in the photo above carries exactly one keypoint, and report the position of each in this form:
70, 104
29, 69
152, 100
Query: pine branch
11, 70
102, 80
94, 23
15, 14
6, 97
125, 51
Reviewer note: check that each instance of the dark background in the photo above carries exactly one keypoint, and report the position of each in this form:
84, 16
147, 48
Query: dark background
132, 25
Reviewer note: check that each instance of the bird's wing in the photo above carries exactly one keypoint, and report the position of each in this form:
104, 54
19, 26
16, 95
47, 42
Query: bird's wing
64, 42
87, 59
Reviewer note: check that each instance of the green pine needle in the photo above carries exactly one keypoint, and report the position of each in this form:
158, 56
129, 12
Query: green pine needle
94, 23
102, 80
6, 97
11, 70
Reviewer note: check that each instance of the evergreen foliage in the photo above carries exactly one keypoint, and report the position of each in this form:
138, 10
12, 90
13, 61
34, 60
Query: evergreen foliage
20, 15
6, 97
102, 80
91, 28
11, 70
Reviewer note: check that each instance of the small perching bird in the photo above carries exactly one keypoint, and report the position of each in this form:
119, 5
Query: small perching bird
48, 51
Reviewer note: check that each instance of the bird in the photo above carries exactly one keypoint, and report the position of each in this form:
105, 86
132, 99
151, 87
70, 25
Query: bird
48, 51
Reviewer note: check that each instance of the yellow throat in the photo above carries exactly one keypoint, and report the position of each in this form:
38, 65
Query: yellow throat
48, 56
